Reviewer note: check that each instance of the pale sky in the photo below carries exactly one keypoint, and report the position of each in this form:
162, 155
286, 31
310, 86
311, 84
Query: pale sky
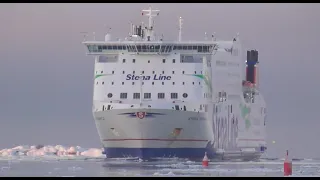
46, 78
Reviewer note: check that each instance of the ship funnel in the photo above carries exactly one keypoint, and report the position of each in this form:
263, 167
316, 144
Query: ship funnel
252, 67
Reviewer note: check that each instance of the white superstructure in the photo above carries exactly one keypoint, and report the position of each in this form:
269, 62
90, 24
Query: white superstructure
156, 98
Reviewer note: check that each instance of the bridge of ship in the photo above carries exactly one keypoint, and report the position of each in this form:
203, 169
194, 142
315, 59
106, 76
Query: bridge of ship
150, 47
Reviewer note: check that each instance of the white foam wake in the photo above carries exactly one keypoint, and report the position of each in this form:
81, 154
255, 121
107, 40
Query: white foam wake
58, 151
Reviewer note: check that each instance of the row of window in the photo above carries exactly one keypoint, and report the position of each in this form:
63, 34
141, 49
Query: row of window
142, 72
163, 61
150, 48
133, 83
148, 95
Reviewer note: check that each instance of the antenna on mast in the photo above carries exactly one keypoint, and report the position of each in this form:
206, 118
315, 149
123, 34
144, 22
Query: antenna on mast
213, 36
180, 28
150, 15
84, 35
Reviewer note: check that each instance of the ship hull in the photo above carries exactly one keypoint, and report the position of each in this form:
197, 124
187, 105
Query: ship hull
153, 153
159, 133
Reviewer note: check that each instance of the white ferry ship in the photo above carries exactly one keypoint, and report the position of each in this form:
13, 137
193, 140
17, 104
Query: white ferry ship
155, 98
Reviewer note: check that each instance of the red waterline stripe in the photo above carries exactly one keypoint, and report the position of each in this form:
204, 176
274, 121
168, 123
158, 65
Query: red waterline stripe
156, 140
251, 140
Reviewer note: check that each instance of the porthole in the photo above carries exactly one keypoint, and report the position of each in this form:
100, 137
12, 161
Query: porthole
185, 95
110, 95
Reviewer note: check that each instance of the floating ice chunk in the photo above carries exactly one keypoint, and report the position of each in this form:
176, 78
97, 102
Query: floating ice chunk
72, 150
51, 151
92, 152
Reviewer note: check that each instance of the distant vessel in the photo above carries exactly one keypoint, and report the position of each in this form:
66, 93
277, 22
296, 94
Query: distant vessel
155, 98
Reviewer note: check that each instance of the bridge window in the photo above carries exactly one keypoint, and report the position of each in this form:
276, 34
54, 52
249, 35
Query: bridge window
109, 95
172, 72
182, 83
142, 72
123, 95
172, 83
102, 82
101, 72
193, 83
122, 83
153, 72
182, 72
132, 83
162, 83
136, 95
173, 60
122, 72
148, 61
152, 83
174, 95
133, 60
133, 72
147, 95
162, 72
161, 95
97, 82
123, 60
142, 83
112, 83
195, 72
112, 72
164, 60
